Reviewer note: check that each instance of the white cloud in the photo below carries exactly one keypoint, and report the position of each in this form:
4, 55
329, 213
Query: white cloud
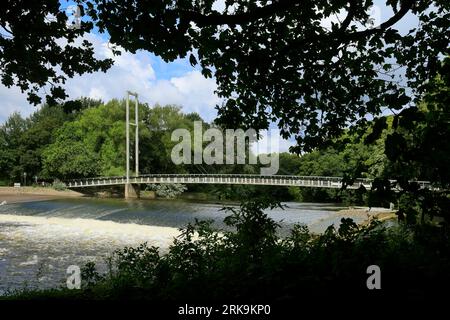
271, 141
136, 72
374, 13
193, 88
12, 100
130, 72
219, 5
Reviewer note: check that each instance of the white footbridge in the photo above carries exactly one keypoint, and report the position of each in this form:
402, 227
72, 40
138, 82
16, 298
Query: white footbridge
242, 179
132, 183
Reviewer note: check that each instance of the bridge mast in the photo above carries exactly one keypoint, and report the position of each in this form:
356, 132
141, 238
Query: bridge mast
136, 146
130, 190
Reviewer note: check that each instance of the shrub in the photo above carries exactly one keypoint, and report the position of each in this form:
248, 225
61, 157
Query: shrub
59, 186
167, 190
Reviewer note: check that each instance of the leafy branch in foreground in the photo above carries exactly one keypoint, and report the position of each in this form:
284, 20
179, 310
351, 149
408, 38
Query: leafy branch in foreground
39, 49
273, 61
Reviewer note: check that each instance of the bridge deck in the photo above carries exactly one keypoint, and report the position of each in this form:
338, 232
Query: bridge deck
274, 180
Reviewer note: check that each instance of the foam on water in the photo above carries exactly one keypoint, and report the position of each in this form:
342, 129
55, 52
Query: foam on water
36, 250
48, 229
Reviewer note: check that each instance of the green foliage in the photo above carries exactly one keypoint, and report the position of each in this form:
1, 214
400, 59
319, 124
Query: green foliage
89, 275
348, 157
93, 144
70, 159
417, 149
36, 52
87, 138
59, 186
90, 145
313, 81
22, 142
10, 138
161, 121
166, 190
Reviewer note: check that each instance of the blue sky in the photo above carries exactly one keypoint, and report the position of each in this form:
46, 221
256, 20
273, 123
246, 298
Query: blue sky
155, 81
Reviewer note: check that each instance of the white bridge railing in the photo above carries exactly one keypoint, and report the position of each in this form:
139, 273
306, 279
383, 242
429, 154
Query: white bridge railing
273, 180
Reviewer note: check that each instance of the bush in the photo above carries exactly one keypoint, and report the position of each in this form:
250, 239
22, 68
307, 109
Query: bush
167, 190
59, 186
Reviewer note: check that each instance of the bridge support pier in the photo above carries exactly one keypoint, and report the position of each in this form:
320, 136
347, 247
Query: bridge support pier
132, 191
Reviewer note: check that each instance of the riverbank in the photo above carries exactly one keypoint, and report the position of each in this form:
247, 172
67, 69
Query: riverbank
360, 215
366, 213
25, 194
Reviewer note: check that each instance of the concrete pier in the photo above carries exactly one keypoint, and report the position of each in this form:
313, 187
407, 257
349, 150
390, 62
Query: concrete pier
132, 191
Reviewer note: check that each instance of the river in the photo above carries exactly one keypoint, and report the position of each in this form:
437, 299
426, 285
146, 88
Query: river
40, 239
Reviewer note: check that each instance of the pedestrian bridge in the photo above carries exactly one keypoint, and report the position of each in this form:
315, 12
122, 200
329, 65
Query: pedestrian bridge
243, 179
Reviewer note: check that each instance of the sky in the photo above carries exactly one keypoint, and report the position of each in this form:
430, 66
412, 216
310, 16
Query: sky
153, 79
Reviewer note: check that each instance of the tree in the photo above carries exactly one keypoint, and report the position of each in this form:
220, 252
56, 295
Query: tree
93, 142
166, 190
272, 60
90, 145
22, 140
10, 138
71, 159
39, 49
418, 149
39, 134
161, 121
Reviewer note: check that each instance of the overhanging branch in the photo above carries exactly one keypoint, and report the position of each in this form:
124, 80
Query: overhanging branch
404, 9
215, 19
341, 36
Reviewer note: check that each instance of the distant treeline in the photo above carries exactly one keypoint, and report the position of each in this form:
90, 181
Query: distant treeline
86, 138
